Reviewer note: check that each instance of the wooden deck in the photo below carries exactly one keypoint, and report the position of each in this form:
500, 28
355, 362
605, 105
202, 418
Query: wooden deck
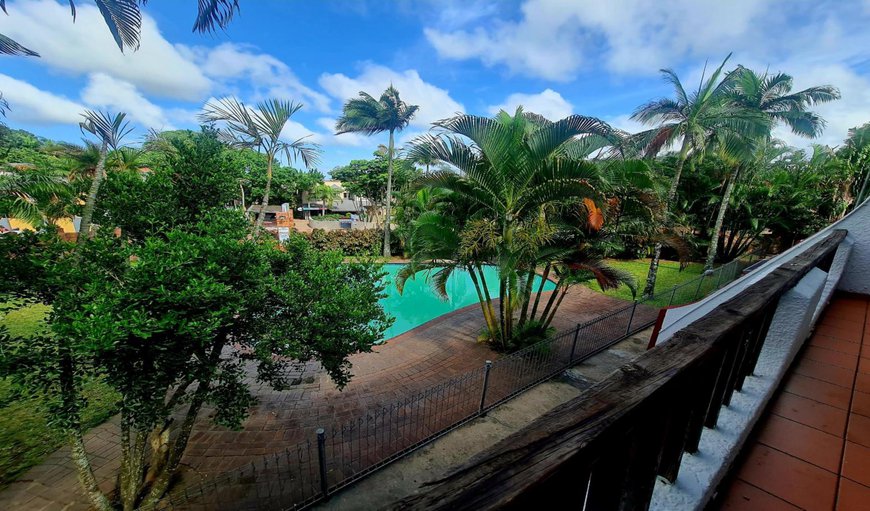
811, 450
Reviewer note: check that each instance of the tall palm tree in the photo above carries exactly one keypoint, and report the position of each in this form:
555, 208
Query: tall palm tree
124, 20
517, 187
110, 130
771, 96
260, 128
368, 115
690, 118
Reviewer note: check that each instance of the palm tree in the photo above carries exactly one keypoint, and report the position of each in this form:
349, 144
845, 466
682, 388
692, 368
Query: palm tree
109, 130
260, 128
771, 96
20, 192
124, 20
371, 116
326, 194
517, 190
691, 119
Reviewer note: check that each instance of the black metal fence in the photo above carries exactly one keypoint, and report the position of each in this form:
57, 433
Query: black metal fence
340, 454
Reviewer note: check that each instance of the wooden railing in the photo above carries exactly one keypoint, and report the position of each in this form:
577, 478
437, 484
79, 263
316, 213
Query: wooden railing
605, 449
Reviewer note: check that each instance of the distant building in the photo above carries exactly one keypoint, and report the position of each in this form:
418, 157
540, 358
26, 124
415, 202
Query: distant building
345, 204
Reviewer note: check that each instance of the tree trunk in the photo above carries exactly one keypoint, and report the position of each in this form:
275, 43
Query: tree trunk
540, 290
672, 192
720, 218
494, 326
484, 301
262, 213
91, 201
74, 435
86, 474
389, 198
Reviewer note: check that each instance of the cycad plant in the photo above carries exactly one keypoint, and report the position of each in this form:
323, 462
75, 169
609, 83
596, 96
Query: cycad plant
690, 119
371, 116
109, 129
260, 128
515, 197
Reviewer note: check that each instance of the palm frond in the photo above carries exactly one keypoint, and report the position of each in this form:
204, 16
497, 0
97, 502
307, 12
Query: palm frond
214, 14
10, 47
124, 21
109, 128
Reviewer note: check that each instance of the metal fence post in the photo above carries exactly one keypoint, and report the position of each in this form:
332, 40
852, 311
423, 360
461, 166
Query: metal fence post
321, 458
574, 345
630, 318
673, 294
486, 367
719, 280
701, 283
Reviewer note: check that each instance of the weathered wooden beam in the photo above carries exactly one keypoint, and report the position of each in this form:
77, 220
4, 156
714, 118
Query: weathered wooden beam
570, 437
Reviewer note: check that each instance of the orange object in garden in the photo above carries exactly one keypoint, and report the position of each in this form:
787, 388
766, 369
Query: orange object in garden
284, 218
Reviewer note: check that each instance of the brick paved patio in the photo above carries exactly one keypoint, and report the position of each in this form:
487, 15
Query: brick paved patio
416, 360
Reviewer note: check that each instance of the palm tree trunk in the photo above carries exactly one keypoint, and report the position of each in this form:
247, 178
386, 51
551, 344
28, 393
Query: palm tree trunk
552, 315
672, 192
484, 301
494, 327
541, 290
91, 201
720, 218
262, 213
527, 296
389, 198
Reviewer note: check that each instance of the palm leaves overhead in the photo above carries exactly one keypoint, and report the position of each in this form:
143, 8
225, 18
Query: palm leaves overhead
124, 20
771, 94
371, 116
260, 128
517, 194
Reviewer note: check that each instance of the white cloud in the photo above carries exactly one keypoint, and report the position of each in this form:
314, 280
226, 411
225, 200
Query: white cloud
86, 46
31, 105
556, 39
548, 103
269, 77
435, 103
104, 91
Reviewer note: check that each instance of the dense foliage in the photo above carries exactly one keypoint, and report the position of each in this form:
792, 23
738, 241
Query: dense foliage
177, 312
355, 242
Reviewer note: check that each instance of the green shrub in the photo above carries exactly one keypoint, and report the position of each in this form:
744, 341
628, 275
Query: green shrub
355, 242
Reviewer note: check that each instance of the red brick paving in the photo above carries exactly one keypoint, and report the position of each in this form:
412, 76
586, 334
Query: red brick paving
407, 364
812, 449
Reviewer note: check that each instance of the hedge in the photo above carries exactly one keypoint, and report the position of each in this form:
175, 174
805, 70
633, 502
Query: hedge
354, 242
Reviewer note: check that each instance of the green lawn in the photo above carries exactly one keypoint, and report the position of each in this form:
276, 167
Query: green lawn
669, 275
25, 436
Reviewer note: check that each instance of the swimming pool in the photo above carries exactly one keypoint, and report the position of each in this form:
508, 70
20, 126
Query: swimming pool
419, 303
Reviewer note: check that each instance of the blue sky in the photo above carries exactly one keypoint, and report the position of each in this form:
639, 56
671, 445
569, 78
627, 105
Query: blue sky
556, 57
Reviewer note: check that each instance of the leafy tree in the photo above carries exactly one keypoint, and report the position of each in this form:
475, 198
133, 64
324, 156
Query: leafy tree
691, 119
371, 116
771, 96
523, 198
855, 156
369, 179
260, 128
175, 317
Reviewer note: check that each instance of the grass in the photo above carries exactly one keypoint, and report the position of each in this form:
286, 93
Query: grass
669, 275
26, 437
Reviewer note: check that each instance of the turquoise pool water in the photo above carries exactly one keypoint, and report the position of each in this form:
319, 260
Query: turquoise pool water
419, 303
